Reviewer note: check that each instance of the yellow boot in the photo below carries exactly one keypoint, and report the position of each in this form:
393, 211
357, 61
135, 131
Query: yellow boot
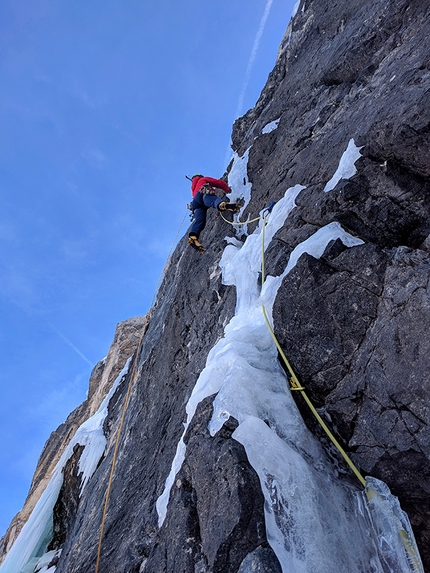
234, 207
194, 242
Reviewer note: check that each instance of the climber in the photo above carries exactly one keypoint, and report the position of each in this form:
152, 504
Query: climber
207, 192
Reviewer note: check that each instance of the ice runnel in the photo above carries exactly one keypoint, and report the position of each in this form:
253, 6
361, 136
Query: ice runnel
315, 523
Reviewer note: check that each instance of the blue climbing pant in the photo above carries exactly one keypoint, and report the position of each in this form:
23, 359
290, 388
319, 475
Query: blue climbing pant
201, 203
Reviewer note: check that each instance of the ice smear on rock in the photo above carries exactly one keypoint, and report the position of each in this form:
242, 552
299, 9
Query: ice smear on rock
314, 522
238, 178
43, 565
396, 542
36, 534
295, 8
315, 245
268, 128
346, 168
223, 363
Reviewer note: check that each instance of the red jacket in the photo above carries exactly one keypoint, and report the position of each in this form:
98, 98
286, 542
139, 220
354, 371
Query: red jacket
198, 182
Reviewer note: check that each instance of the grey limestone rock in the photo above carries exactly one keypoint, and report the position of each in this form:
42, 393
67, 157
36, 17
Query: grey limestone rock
353, 323
217, 496
126, 338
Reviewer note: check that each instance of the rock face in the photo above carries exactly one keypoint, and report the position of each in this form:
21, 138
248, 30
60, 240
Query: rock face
124, 344
353, 322
223, 528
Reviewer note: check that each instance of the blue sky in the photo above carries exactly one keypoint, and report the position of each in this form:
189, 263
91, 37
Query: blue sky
104, 107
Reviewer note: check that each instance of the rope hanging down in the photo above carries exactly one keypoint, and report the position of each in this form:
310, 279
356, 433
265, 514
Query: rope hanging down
127, 399
118, 438
294, 382
239, 223
408, 542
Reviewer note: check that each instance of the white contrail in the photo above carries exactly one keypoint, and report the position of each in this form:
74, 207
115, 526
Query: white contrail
249, 67
253, 55
67, 341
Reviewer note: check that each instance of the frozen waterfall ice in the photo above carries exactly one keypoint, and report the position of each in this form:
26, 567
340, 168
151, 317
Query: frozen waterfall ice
315, 523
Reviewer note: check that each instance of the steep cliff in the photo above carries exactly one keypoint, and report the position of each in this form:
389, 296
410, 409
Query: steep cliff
126, 339
339, 138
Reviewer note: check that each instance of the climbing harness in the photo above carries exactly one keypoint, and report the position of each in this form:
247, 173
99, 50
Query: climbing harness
207, 189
